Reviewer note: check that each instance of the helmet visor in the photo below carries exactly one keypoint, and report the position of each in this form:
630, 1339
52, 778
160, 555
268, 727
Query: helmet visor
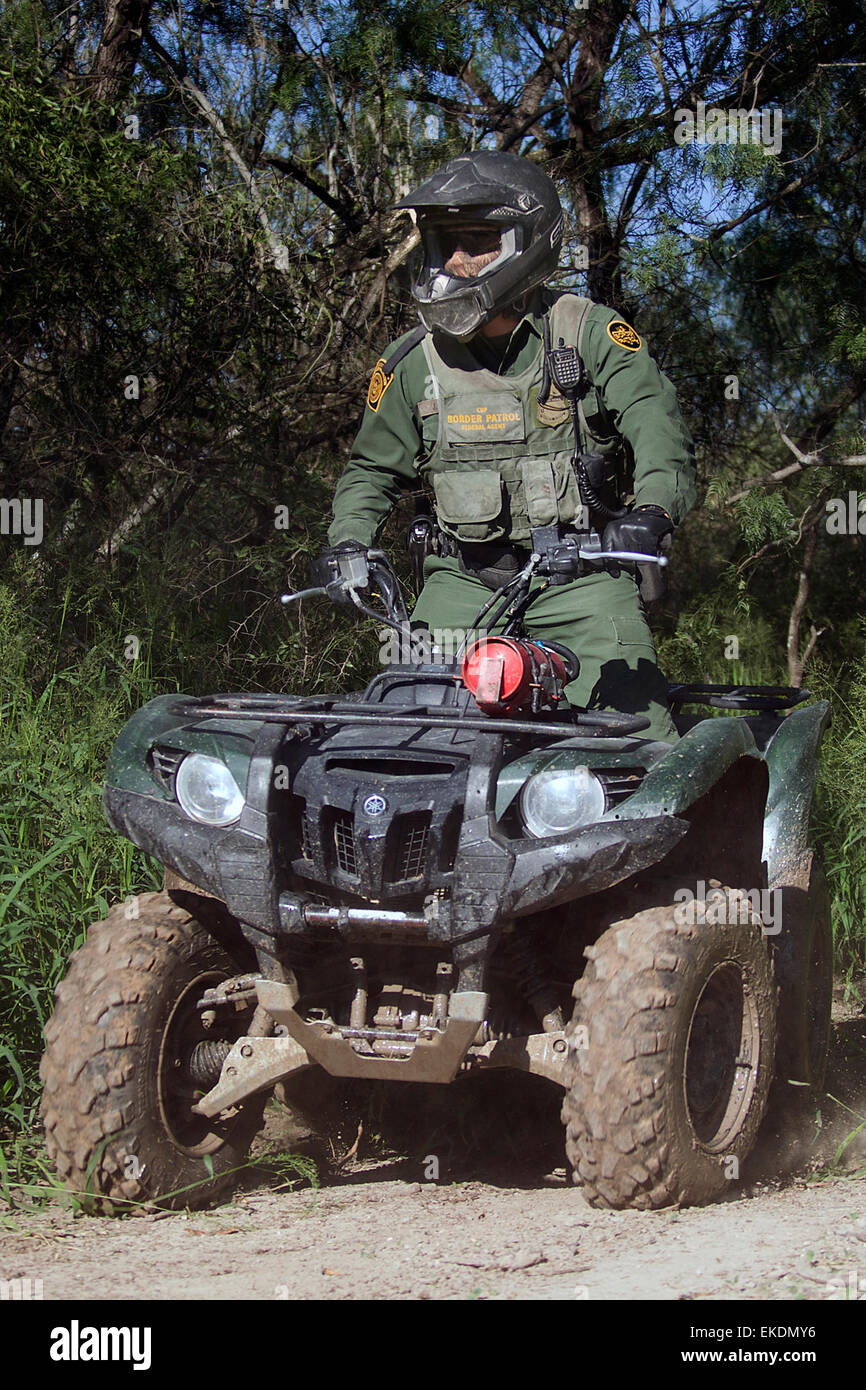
454, 287
471, 243
466, 250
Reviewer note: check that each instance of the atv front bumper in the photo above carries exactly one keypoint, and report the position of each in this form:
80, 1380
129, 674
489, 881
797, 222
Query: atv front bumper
495, 877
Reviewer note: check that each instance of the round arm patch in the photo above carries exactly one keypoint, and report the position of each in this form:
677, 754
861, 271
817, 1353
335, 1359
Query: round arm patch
379, 384
623, 335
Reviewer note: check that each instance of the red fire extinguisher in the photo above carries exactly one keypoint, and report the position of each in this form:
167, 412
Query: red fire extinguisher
506, 674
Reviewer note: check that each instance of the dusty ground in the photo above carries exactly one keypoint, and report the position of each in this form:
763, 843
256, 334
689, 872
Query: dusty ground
501, 1222
377, 1237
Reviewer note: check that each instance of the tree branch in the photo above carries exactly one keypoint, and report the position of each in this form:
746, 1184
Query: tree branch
803, 461
119, 46
525, 113
286, 165
279, 252
396, 258
796, 660
793, 187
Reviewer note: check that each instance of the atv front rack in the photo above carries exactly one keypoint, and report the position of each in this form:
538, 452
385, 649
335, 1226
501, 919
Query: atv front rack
288, 709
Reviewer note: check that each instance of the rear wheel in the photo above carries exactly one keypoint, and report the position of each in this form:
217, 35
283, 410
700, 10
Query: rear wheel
119, 1078
670, 1055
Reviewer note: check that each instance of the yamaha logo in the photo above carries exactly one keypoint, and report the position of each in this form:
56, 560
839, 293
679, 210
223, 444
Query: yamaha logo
375, 805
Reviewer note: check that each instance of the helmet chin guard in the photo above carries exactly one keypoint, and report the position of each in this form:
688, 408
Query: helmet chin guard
454, 307
483, 189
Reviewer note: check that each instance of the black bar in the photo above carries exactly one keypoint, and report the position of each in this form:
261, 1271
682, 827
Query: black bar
590, 726
757, 698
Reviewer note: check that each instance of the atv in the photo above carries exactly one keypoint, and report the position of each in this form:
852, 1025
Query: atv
451, 871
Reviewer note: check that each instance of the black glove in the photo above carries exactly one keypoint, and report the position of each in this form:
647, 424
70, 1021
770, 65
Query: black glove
329, 568
643, 529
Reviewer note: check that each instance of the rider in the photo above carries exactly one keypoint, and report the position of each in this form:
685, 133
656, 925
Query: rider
466, 402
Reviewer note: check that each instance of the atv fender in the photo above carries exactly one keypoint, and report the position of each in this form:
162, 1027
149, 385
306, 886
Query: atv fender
691, 769
679, 774
792, 760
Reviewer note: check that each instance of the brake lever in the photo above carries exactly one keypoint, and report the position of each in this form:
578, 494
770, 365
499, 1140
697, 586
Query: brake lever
636, 555
388, 587
362, 573
331, 591
302, 594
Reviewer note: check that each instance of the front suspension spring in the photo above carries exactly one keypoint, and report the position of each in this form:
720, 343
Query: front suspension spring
206, 1061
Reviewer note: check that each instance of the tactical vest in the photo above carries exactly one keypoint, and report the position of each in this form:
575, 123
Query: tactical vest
499, 463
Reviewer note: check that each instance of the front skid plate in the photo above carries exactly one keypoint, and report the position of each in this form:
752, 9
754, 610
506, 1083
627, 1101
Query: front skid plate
255, 1064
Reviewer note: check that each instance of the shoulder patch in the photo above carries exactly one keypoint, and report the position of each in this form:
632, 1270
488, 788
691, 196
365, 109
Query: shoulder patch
379, 384
623, 335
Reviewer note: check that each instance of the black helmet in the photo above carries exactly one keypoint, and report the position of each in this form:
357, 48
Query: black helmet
490, 189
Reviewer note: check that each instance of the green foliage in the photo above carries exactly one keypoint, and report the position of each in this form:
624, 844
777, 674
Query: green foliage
84, 208
765, 516
60, 866
841, 817
850, 337
67, 686
738, 167
653, 263
288, 1169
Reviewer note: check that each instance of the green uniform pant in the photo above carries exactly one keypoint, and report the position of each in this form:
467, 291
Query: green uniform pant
600, 618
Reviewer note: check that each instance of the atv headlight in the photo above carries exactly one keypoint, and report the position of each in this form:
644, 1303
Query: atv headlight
207, 791
558, 800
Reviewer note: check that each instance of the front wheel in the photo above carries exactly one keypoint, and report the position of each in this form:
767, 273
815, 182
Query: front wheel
118, 1070
671, 1052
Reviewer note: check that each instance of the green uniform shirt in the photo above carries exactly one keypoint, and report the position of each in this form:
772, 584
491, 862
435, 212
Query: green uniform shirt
639, 399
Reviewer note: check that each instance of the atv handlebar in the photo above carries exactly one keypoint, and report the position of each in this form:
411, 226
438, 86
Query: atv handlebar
356, 573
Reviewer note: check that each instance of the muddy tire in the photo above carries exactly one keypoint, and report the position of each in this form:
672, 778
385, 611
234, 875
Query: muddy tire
803, 966
671, 1052
116, 1092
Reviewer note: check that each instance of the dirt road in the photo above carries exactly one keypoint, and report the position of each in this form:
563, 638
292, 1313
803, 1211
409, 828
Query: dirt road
500, 1222
377, 1237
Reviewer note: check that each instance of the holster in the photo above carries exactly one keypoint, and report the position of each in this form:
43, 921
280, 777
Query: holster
425, 538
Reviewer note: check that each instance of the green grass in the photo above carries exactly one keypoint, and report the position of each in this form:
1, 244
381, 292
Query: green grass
840, 821
66, 689
60, 865
696, 652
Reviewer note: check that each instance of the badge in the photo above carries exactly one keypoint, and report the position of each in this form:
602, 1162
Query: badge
375, 806
379, 384
554, 411
624, 336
